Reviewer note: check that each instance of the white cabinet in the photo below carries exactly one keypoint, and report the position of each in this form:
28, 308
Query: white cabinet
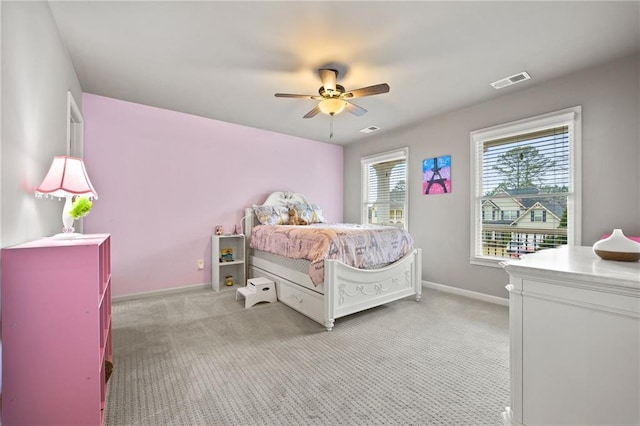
575, 339
227, 261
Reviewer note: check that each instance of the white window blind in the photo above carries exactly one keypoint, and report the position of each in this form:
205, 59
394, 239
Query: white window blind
528, 172
534, 160
384, 189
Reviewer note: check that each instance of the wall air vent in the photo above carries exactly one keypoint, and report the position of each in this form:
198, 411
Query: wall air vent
370, 129
517, 78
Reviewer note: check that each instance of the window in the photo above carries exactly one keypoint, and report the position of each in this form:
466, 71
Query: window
395, 215
384, 188
509, 214
529, 172
538, 216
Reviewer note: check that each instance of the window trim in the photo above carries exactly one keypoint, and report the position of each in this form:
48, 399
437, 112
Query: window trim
569, 116
397, 154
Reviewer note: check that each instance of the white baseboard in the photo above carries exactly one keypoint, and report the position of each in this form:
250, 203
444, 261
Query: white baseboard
466, 293
428, 284
162, 292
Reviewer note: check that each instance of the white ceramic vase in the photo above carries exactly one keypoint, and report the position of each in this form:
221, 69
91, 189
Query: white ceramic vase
617, 247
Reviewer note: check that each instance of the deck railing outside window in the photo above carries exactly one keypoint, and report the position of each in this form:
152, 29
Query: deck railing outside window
505, 242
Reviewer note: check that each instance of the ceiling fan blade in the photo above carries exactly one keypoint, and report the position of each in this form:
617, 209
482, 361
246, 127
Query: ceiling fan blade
328, 77
290, 95
376, 89
313, 112
355, 109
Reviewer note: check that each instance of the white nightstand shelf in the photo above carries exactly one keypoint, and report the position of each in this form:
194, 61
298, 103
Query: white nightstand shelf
222, 268
257, 290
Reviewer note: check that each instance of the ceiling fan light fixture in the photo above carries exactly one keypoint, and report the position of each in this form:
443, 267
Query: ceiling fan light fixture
332, 106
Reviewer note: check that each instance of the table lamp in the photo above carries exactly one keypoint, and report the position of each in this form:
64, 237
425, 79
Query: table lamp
66, 178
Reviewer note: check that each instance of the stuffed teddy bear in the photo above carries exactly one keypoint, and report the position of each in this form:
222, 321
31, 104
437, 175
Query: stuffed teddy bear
294, 217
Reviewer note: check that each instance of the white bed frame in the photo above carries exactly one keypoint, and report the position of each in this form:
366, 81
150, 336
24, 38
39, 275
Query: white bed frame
345, 290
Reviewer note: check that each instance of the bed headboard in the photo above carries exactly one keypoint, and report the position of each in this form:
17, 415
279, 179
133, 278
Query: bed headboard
284, 199
279, 198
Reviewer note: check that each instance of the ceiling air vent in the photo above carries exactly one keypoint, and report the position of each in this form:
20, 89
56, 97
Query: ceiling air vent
370, 129
517, 78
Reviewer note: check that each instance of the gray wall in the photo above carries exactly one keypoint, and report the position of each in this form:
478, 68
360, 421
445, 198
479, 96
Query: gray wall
609, 95
36, 75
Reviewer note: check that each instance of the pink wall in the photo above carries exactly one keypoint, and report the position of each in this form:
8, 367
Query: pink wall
165, 179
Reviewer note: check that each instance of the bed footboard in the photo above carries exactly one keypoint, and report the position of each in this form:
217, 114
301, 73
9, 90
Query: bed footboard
353, 290
346, 290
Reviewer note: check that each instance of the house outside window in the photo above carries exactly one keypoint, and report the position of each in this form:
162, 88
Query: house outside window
384, 188
529, 171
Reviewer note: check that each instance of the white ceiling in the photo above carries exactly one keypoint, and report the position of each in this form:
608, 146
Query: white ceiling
225, 60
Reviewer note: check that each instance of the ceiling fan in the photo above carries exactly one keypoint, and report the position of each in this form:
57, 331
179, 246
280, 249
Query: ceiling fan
334, 98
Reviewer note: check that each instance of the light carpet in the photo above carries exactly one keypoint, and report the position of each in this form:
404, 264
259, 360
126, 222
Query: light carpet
200, 358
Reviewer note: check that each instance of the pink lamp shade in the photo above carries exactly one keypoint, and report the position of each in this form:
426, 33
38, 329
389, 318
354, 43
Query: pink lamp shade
66, 176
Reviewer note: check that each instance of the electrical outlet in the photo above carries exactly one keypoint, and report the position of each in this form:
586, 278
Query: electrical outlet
200, 264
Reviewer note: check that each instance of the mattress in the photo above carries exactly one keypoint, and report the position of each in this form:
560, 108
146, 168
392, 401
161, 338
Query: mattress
299, 265
359, 246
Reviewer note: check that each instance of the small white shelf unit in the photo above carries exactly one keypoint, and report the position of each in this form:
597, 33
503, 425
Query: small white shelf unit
236, 268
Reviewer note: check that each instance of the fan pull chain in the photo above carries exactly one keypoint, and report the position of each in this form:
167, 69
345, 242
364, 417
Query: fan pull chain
331, 126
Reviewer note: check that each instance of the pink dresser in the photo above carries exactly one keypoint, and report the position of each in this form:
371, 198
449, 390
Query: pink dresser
56, 331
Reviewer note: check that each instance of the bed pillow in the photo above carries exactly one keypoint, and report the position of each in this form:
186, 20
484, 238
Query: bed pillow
311, 213
272, 215
317, 217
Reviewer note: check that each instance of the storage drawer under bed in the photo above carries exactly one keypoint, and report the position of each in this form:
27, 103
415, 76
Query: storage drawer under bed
303, 300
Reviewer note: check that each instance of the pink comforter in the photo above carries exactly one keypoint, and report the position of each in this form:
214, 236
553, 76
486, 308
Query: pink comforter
360, 246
